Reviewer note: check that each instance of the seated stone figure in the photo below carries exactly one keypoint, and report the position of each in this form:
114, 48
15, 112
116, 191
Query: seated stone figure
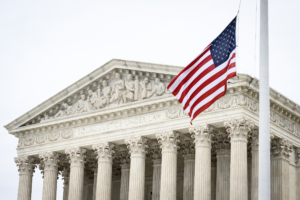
106, 91
146, 88
67, 110
92, 100
128, 94
118, 89
158, 89
82, 105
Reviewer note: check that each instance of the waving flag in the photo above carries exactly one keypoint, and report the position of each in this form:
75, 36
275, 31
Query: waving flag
204, 80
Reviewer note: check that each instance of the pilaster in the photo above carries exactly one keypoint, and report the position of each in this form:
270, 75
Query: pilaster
76, 156
137, 148
238, 130
26, 168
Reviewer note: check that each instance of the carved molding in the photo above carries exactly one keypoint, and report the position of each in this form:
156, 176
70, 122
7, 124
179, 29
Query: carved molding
50, 134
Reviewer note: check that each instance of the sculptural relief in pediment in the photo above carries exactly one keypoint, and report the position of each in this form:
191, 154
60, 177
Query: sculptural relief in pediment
116, 88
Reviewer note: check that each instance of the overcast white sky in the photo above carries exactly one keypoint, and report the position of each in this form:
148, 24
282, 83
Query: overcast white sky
47, 45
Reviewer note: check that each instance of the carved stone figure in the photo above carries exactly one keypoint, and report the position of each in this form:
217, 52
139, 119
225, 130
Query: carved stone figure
117, 91
82, 105
46, 117
136, 89
67, 110
128, 94
146, 88
92, 100
106, 91
159, 88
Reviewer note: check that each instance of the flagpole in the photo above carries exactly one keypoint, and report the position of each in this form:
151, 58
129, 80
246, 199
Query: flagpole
264, 106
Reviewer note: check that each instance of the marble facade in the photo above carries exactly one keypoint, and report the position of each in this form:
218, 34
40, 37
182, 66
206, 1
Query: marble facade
118, 134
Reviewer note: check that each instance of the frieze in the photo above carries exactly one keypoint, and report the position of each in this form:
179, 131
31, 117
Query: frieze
227, 102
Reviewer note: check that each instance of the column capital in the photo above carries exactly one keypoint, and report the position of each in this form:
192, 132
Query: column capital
222, 141
25, 164
281, 148
168, 140
105, 150
155, 153
238, 129
76, 156
187, 148
123, 157
49, 161
202, 135
137, 145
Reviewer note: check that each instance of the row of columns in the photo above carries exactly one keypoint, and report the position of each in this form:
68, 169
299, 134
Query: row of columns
224, 170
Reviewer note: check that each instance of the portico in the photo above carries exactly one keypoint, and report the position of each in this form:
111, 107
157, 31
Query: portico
119, 134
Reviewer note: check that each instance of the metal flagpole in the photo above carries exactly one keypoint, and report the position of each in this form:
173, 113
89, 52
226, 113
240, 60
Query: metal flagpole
264, 106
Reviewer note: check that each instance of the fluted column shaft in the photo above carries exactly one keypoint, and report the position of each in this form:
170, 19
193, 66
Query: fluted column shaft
125, 173
26, 168
95, 181
202, 185
168, 141
66, 188
105, 152
213, 180
254, 174
280, 154
156, 179
49, 164
137, 148
223, 174
238, 132
188, 177
76, 156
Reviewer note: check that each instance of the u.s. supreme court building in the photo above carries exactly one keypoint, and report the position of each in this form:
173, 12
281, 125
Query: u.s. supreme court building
118, 134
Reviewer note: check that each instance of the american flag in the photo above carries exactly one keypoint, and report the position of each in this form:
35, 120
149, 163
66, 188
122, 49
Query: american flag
204, 80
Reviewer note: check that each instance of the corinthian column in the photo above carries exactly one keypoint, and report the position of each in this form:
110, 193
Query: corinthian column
95, 181
187, 148
66, 178
105, 153
281, 149
202, 139
223, 166
137, 148
125, 172
76, 156
213, 174
168, 141
49, 162
238, 132
254, 174
155, 154
26, 168
297, 161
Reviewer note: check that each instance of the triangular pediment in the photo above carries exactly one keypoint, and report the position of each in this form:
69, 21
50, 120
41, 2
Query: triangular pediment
115, 84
